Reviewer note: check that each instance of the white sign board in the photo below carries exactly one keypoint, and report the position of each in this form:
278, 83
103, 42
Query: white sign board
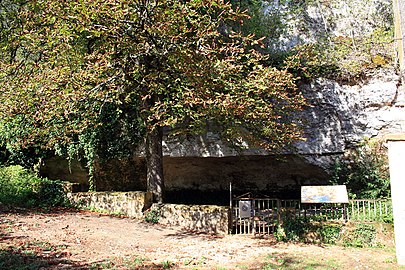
324, 194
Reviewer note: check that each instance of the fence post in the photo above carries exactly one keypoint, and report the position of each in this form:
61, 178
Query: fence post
345, 212
230, 214
278, 211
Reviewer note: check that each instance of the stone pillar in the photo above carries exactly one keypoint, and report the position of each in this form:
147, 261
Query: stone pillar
399, 23
396, 154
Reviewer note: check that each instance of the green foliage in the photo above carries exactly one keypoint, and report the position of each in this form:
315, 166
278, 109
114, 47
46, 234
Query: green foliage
152, 216
50, 193
92, 78
388, 218
20, 187
167, 264
358, 56
363, 235
269, 24
329, 233
291, 229
17, 185
364, 171
132, 62
379, 210
307, 230
16, 151
309, 61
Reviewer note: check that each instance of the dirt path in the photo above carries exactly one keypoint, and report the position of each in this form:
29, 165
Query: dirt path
85, 240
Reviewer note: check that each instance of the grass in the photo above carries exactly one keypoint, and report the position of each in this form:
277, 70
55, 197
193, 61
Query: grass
31, 256
132, 262
167, 264
197, 263
242, 267
302, 261
298, 261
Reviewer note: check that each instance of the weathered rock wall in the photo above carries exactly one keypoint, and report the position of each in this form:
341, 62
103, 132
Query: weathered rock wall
338, 117
291, 23
341, 115
344, 115
131, 204
195, 218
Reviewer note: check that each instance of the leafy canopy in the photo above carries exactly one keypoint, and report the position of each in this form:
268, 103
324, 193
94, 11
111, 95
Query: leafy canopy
65, 65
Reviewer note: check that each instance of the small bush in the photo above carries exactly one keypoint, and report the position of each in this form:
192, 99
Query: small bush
364, 171
308, 231
291, 229
20, 187
388, 218
362, 235
152, 216
330, 233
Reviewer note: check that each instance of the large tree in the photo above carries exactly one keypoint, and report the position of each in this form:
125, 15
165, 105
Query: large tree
178, 64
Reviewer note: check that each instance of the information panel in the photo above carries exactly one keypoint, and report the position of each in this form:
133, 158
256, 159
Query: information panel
324, 194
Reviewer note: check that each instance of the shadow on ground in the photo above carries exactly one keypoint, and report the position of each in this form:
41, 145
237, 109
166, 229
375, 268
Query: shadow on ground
23, 253
27, 258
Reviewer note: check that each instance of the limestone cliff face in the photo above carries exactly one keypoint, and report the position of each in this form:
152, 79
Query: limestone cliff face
338, 117
355, 37
290, 23
342, 116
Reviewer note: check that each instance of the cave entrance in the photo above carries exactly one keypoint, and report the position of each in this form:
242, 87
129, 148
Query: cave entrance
205, 180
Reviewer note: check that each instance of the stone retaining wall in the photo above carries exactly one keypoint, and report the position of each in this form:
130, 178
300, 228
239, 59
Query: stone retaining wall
131, 204
199, 218
137, 204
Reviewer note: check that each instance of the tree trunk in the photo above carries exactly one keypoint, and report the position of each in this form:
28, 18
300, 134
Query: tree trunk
154, 164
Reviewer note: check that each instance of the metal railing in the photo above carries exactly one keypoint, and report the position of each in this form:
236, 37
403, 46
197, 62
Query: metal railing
261, 215
369, 210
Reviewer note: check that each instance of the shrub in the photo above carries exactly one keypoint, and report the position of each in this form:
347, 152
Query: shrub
20, 187
308, 231
330, 233
152, 216
364, 171
362, 235
291, 229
